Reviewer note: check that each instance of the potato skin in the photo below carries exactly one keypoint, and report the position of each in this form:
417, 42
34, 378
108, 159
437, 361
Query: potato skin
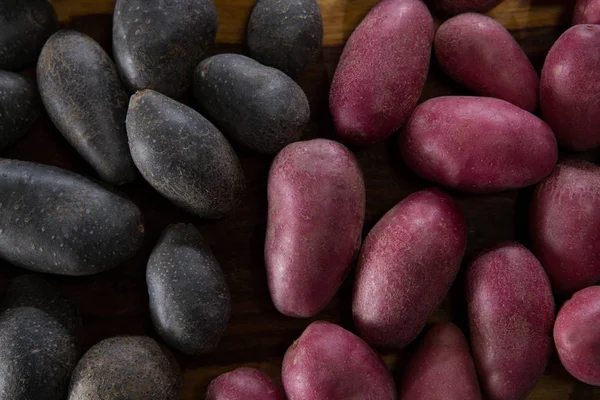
477, 144
577, 335
586, 12
570, 88
314, 188
453, 7
328, 362
257, 106
406, 266
442, 368
382, 71
479, 53
284, 34
511, 314
20, 107
243, 384
565, 225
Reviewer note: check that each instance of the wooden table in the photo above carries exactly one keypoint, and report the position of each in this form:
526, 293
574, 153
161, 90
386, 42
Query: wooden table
116, 302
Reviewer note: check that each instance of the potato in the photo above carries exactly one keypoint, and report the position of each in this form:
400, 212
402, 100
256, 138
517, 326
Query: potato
243, 384
315, 187
565, 225
453, 7
511, 312
257, 106
26, 24
570, 88
406, 266
577, 335
157, 44
189, 298
20, 107
328, 362
382, 71
183, 156
586, 12
286, 35
83, 96
442, 368
479, 53
477, 144
58, 222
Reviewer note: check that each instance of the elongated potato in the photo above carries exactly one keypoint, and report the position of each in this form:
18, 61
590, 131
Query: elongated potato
510, 313
243, 384
479, 53
478, 144
20, 107
406, 266
382, 71
586, 12
453, 7
315, 187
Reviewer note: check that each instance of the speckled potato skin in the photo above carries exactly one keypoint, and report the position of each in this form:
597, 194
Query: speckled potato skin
586, 12
37, 355
189, 298
382, 71
577, 335
58, 222
26, 24
328, 362
565, 225
570, 88
158, 43
243, 384
510, 310
314, 188
479, 53
477, 144
453, 7
442, 368
406, 266
19, 107
82, 93
285, 34
257, 106
183, 156
125, 367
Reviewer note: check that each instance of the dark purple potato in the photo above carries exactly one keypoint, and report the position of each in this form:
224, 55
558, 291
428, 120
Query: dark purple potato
257, 106
183, 156
285, 34
55, 221
24, 27
83, 95
189, 298
126, 368
19, 107
157, 43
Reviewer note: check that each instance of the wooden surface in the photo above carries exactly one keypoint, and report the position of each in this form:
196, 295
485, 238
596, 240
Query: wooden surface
116, 302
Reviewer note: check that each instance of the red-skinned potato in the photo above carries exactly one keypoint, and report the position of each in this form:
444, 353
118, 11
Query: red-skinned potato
477, 144
586, 12
316, 198
406, 266
570, 88
479, 53
243, 384
453, 7
511, 314
442, 368
382, 71
577, 335
565, 225
328, 362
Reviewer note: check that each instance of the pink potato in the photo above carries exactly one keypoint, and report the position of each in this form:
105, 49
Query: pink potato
442, 368
406, 266
570, 88
328, 362
479, 53
477, 144
510, 313
565, 225
453, 7
243, 384
586, 12
577, 335
316, 197
382, 71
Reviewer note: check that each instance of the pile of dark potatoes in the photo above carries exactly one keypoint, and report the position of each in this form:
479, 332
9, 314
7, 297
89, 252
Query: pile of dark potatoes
125, 116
